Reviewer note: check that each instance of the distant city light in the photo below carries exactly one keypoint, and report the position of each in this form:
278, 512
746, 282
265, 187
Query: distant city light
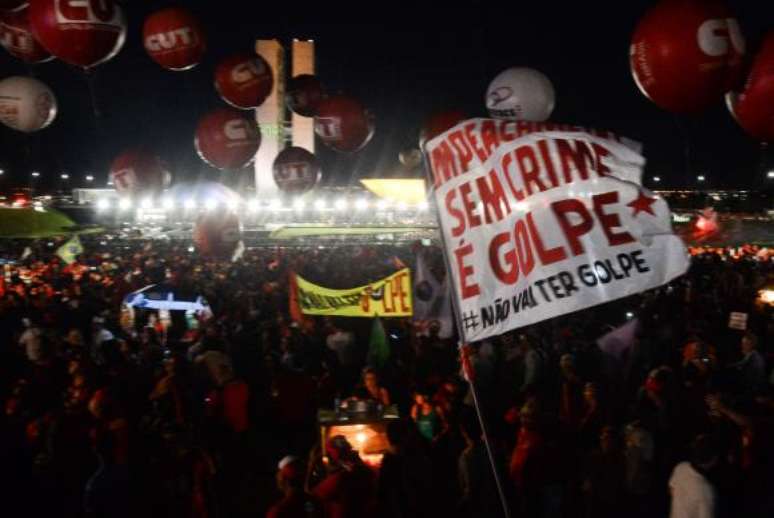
189, 204
275, 204
233, 205
103, 204
64, 176
341, 204
319, 204
629, 315
89, 178
769, 175
656, 179
253, 205
382, 204
701, 178
299, 204
191, 249
168, 203
2, 171
423, 206
361, 204
211, 204
35, 174
402, 206
147, 203
125, 204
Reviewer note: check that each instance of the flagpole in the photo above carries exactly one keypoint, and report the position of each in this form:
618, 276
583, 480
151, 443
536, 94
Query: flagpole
458, 324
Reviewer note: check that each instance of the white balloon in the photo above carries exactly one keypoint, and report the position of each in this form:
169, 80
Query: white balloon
26, 104
410, 158
520, 94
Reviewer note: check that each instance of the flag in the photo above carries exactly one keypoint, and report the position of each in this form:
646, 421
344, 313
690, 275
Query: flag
239, 251
618, 342
378, 348
70, 250
293, 307
26, 253
432, 302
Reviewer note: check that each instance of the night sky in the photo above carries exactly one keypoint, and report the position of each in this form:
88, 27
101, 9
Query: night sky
402, 70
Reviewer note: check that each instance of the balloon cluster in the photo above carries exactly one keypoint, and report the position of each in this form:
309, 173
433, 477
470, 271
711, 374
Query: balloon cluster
686, 55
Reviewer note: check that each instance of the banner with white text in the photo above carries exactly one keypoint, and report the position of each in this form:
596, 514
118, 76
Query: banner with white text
543, 223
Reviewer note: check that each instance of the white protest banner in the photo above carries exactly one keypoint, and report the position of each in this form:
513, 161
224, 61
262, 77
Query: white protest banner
541, 223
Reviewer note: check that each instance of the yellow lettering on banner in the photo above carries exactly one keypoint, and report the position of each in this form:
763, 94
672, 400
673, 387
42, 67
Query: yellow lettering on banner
388, 297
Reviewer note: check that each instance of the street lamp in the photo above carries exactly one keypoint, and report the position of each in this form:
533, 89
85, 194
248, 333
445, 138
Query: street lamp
701, 178
35, 174
64, 176
769, 175
656, 179
89, 178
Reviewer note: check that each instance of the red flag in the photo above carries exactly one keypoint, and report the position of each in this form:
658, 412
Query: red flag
294, 307
467, 366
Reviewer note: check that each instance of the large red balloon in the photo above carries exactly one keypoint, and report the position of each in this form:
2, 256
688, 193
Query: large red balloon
754, 109
174, 38
296, 170
686, 54
16, 37
244, 80
10, 5
84, 33
303, 95
138, 172
343, 124
217, 234
227, 139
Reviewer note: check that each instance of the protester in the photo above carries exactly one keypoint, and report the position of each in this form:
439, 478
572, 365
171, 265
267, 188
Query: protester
175, 415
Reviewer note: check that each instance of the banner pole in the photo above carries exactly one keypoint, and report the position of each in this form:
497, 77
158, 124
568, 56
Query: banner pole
461, 335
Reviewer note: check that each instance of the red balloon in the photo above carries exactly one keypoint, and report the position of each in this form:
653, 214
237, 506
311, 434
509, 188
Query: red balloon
84, 33
686, 54
174, 38
343, 124
244, 80
217, 234
303, 95
137, 172
10, 5
16, 37
754, 108
296, 170
438, 123
227, 139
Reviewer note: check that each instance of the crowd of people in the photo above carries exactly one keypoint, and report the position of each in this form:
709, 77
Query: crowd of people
164, 415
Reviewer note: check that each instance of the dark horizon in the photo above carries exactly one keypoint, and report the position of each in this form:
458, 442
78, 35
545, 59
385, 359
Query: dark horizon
402, 73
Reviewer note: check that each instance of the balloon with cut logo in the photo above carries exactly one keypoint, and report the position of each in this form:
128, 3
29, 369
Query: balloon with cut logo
217, 235
296, 170
753, 107
343, 124
522, 94
438, 123
17, 38
174, 38
244, 80
303, 95
686, 54
26, 104
227, 139
139, 172
83, 33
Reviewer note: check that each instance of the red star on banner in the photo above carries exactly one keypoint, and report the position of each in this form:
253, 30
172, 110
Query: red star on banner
642, 204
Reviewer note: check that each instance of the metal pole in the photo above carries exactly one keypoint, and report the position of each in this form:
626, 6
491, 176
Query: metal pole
458, 324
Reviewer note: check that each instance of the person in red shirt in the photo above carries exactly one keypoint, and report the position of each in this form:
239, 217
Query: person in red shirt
295, 503
349, 489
